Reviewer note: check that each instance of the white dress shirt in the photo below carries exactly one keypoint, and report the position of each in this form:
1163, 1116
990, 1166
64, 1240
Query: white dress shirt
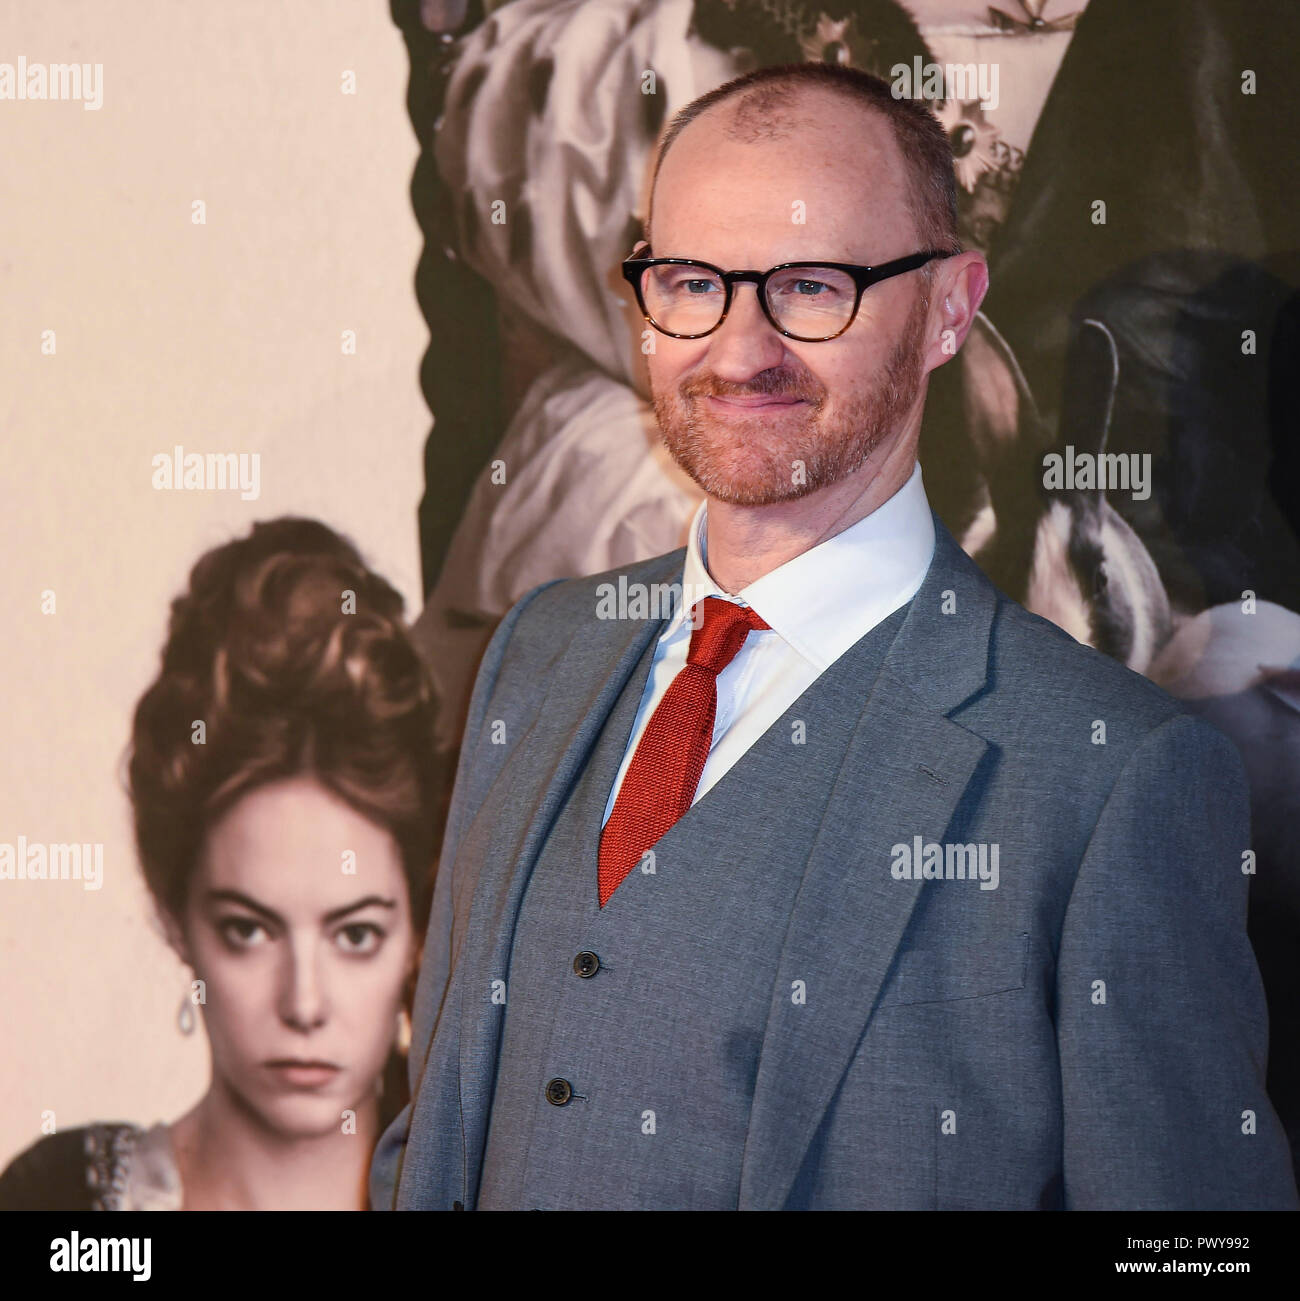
817, 605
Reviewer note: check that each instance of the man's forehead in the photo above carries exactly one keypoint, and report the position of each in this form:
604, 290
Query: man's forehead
813, 123
820, 171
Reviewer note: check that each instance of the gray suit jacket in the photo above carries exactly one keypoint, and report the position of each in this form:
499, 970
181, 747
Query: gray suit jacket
1089, 1034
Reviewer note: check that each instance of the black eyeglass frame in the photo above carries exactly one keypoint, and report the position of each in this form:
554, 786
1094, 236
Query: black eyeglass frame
864, 277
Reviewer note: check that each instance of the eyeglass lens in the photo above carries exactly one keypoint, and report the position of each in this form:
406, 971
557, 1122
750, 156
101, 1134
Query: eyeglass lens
806, 300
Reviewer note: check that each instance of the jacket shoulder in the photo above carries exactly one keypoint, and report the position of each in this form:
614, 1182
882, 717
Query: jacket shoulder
577, 597
564, 605
1038, 661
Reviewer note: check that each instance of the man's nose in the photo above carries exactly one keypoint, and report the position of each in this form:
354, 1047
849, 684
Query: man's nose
746, 342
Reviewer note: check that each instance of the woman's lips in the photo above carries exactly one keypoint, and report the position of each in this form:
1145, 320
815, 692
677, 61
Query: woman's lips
302, 1074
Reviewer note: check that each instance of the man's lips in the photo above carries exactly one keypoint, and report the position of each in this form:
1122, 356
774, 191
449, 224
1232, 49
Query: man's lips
754, 402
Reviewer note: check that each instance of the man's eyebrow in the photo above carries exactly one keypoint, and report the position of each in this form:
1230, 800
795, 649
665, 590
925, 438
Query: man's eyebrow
236, 897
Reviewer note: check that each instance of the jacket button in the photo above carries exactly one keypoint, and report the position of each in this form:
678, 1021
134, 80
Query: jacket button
586, 965
558, 1092
458, 1206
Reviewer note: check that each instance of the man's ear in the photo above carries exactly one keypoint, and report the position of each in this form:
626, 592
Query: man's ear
960, 284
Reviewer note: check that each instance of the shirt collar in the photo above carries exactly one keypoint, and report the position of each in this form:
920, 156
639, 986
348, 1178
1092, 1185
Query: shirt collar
832, 595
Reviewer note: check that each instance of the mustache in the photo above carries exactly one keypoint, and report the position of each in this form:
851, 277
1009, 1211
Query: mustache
766, 384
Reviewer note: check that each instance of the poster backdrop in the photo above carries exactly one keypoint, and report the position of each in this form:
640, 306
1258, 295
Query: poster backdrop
367, 258
134, 323
1116, 443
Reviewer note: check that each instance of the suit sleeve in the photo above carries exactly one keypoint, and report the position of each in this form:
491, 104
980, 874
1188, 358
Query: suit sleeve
436, 962
1162, 1027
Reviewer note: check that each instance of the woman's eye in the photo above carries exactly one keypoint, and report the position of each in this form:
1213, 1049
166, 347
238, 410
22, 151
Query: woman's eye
360, 937
242, 932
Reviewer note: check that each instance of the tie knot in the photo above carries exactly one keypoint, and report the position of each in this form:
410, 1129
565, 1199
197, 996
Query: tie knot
721, 633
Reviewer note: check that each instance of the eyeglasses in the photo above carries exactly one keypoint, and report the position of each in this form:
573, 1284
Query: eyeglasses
809, 301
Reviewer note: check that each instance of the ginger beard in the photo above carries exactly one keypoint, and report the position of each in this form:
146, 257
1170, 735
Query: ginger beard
753, 462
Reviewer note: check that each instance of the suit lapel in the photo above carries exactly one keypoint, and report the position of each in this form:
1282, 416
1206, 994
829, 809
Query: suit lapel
903, 774
584, 688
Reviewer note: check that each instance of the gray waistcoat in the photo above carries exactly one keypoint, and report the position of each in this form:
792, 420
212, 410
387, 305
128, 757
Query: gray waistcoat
658, 1049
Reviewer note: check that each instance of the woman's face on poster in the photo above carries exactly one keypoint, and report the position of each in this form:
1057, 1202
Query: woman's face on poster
298, 923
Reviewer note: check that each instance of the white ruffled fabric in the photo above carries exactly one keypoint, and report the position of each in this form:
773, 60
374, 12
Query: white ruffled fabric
572, 176
588, 483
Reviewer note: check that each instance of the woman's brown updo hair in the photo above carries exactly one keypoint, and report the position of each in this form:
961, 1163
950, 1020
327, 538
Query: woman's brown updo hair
294, 656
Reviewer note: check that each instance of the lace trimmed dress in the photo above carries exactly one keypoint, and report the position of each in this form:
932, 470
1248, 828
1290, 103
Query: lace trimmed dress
100, 1167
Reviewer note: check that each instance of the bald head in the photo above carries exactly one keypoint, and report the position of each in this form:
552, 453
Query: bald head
845, 118
784, 175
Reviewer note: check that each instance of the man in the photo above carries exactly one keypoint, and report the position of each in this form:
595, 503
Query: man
843, 882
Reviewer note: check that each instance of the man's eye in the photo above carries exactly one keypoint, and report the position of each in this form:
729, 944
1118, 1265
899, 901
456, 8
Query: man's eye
682, 282
359, 937
809, 289
242, 932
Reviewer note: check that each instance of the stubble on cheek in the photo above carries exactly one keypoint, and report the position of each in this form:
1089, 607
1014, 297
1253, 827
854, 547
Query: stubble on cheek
762, 461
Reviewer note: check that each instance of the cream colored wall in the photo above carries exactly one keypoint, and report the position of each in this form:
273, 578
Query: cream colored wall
219, 337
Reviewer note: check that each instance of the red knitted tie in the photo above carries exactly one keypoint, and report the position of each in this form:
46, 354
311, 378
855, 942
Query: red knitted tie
660, 782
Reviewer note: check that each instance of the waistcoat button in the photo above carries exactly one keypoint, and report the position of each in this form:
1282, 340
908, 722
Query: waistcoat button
558, 1092
586, 965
